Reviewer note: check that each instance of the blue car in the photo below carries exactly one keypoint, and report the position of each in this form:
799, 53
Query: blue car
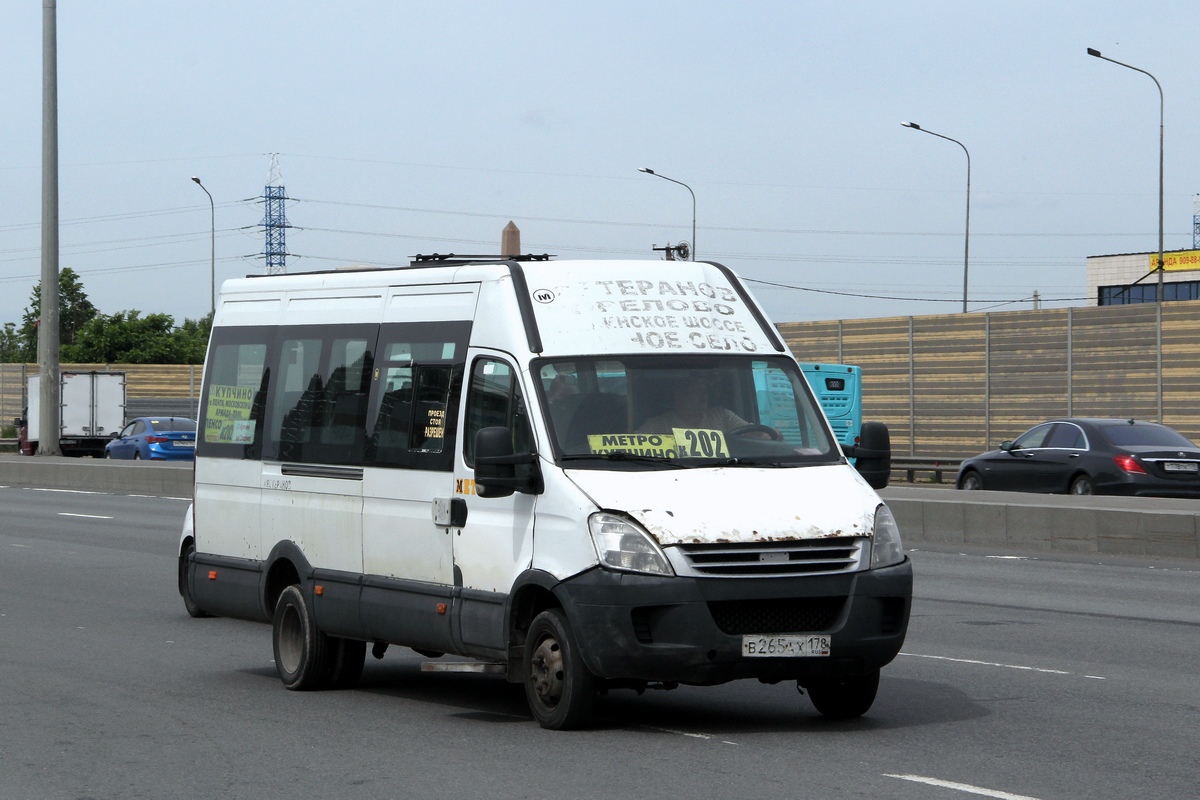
155, 439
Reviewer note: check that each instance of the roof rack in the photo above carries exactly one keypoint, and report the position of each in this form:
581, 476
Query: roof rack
459, 258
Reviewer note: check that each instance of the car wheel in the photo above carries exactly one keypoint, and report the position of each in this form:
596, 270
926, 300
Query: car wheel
302, 651
137, 456
108, 454
970, 482
1082, 484
558, 686
844, 698
185, 588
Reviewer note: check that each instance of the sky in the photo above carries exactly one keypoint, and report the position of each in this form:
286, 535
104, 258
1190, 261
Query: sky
422, 127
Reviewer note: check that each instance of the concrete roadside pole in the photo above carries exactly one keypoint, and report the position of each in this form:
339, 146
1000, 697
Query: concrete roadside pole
49, 400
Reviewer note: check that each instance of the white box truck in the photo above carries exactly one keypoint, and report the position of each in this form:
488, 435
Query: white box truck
93, 408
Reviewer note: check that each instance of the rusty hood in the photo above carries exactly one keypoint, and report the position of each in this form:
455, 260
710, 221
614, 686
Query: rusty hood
737, 504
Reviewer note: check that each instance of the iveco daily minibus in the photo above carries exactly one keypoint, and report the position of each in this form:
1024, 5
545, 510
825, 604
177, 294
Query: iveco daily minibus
585, 475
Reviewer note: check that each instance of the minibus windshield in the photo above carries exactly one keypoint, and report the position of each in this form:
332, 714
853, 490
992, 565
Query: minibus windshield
662, 412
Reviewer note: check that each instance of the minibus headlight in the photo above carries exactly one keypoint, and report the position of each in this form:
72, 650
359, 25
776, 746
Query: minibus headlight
622, 544
885, 545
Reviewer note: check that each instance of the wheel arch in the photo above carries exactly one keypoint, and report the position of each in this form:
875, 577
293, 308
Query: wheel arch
285, 566
532, 593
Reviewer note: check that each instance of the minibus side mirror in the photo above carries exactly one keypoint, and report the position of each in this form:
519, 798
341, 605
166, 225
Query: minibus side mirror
498, 470
873, 454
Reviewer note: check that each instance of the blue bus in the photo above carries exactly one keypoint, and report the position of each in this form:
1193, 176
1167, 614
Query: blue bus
838, 388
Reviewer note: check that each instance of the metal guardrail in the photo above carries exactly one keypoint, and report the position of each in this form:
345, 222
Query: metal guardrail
912, 465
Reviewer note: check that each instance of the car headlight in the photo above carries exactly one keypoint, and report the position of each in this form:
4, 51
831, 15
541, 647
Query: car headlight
885, 546
624, 545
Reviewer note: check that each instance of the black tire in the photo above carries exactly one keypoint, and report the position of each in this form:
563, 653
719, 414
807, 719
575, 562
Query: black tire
844, 698
970, 481
185, 587
108, 454
560, 689
346, 668
137, 456
302, 652
1082, 484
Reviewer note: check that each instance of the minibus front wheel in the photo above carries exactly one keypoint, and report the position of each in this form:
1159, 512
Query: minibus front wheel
844, 697
560, 689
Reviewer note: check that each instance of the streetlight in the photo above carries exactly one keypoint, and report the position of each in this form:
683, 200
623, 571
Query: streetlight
1161, 111
649, 171
212, 209
967, 244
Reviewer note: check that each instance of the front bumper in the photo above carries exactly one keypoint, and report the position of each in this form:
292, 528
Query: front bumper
689, 630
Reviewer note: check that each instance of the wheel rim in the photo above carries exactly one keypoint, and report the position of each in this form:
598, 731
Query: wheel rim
291, 639
546, 671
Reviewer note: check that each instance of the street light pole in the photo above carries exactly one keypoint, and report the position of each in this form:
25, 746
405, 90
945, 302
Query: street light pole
649, 171
1161, 115
212, 210
967, 243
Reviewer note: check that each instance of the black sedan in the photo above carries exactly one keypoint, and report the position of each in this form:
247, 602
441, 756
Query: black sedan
1090, 456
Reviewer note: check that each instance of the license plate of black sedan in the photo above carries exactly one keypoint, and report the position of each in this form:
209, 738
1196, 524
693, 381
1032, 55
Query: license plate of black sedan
791, 646
1181, 466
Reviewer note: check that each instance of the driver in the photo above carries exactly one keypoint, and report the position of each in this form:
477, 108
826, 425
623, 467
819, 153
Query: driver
691, 409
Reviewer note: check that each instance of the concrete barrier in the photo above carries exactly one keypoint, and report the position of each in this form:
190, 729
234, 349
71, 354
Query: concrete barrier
163, 479
1124, 526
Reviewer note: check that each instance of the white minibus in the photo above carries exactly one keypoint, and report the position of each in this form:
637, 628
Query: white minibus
553, 470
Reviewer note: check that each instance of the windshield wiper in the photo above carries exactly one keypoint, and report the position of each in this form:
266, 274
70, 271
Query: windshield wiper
623, 456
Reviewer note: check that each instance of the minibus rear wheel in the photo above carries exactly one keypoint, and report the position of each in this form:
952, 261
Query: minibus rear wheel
560, 689
185, 587
304, 656
845, 697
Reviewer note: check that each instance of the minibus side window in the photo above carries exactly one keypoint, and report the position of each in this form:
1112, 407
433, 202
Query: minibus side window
495, 398
236, 383
418, 379
320, 404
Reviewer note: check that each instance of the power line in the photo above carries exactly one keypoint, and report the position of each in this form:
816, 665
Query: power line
727, 229
889, 297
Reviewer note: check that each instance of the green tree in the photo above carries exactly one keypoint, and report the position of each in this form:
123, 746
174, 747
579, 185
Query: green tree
10, 344
129, 338
74, 311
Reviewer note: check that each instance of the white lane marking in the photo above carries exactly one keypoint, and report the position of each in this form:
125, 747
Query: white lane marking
1010, 558
989, 664
63, 491
679, 733
962, 787
87, 516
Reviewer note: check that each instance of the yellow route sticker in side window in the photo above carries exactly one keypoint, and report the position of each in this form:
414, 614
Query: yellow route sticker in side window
700, 443
228, 416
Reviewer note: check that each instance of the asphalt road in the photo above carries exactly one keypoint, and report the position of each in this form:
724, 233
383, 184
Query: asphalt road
1030, 678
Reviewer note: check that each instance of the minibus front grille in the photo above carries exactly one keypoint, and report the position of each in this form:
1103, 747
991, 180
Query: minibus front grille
774, 559
793, 615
